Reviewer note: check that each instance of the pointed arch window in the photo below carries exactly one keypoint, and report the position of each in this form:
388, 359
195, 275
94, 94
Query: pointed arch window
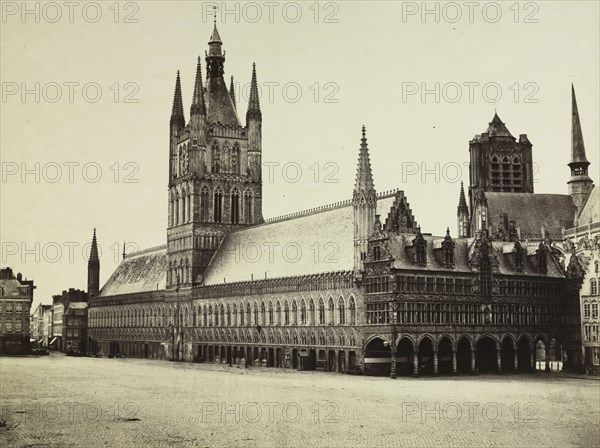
294, 313
255, 313
248, 207
235, 206
342, 311
321, 312
262, 313
218, 204
216, 157
311, 312
286, 313
278, 313
352, 311
302, 312
204, 204
485, 272
331, 309
235, 159
270, 313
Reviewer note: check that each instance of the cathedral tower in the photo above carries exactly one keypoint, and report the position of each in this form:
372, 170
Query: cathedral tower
364, 204
215, 182
93, 283
580, 184
500, 163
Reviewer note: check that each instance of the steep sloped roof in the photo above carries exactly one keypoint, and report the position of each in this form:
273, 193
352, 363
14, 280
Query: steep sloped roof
463, 249
307, 244
591, 209
139, 272
530, 211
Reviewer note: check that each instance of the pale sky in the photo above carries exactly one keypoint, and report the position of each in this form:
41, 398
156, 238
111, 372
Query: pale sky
338, 66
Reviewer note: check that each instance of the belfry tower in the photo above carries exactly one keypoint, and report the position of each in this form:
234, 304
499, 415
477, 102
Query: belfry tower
215, 183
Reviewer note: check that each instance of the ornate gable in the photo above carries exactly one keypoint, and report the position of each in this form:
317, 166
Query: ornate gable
400, 218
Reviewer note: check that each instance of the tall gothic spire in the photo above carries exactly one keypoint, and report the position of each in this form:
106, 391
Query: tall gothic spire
577, 147
364, 176
94, 268
232, 92
462, 201
177, 111
198, 106
94, 251
462, 214
253, 102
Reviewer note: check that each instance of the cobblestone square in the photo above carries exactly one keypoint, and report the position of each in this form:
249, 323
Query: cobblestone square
65, 401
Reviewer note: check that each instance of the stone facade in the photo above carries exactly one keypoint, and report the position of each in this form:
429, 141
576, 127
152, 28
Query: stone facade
16, 296
359, 295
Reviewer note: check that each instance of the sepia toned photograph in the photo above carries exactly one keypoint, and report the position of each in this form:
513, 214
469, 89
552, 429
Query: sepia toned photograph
300, 224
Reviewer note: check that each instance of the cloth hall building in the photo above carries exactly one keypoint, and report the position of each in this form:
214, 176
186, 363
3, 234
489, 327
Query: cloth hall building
354, 286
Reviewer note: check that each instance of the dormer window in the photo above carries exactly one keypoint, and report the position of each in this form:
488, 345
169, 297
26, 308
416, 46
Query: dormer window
376, 253
448, 250
420, 246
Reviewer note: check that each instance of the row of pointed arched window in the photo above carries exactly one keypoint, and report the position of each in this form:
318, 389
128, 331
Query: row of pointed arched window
311, 337
277, 313
280, 313
179, 271
225, 159
506, 173
211, 206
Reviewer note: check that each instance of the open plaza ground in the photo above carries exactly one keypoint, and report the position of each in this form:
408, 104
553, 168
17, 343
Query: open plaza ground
64, 401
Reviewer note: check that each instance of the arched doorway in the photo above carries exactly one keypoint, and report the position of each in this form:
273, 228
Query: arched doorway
270, 358
294, 359
463, 356
342, 361
377, 358
508, 354
352, 365
524, 355
555, 354
486, 355
331, 361
445, 356
404, 357
426, 357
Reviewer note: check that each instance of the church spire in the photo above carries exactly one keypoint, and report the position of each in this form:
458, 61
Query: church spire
94, 268
364, 176
580, 184
364, 205
232, 92
577, 147
177, 110
198, 106
253, 101
462, 214
94, 251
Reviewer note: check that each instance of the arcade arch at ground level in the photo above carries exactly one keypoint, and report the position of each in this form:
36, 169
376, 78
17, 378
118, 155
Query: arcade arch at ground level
463, 354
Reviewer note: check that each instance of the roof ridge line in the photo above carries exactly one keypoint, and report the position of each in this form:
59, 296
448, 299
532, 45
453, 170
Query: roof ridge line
143, 251
324, 208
